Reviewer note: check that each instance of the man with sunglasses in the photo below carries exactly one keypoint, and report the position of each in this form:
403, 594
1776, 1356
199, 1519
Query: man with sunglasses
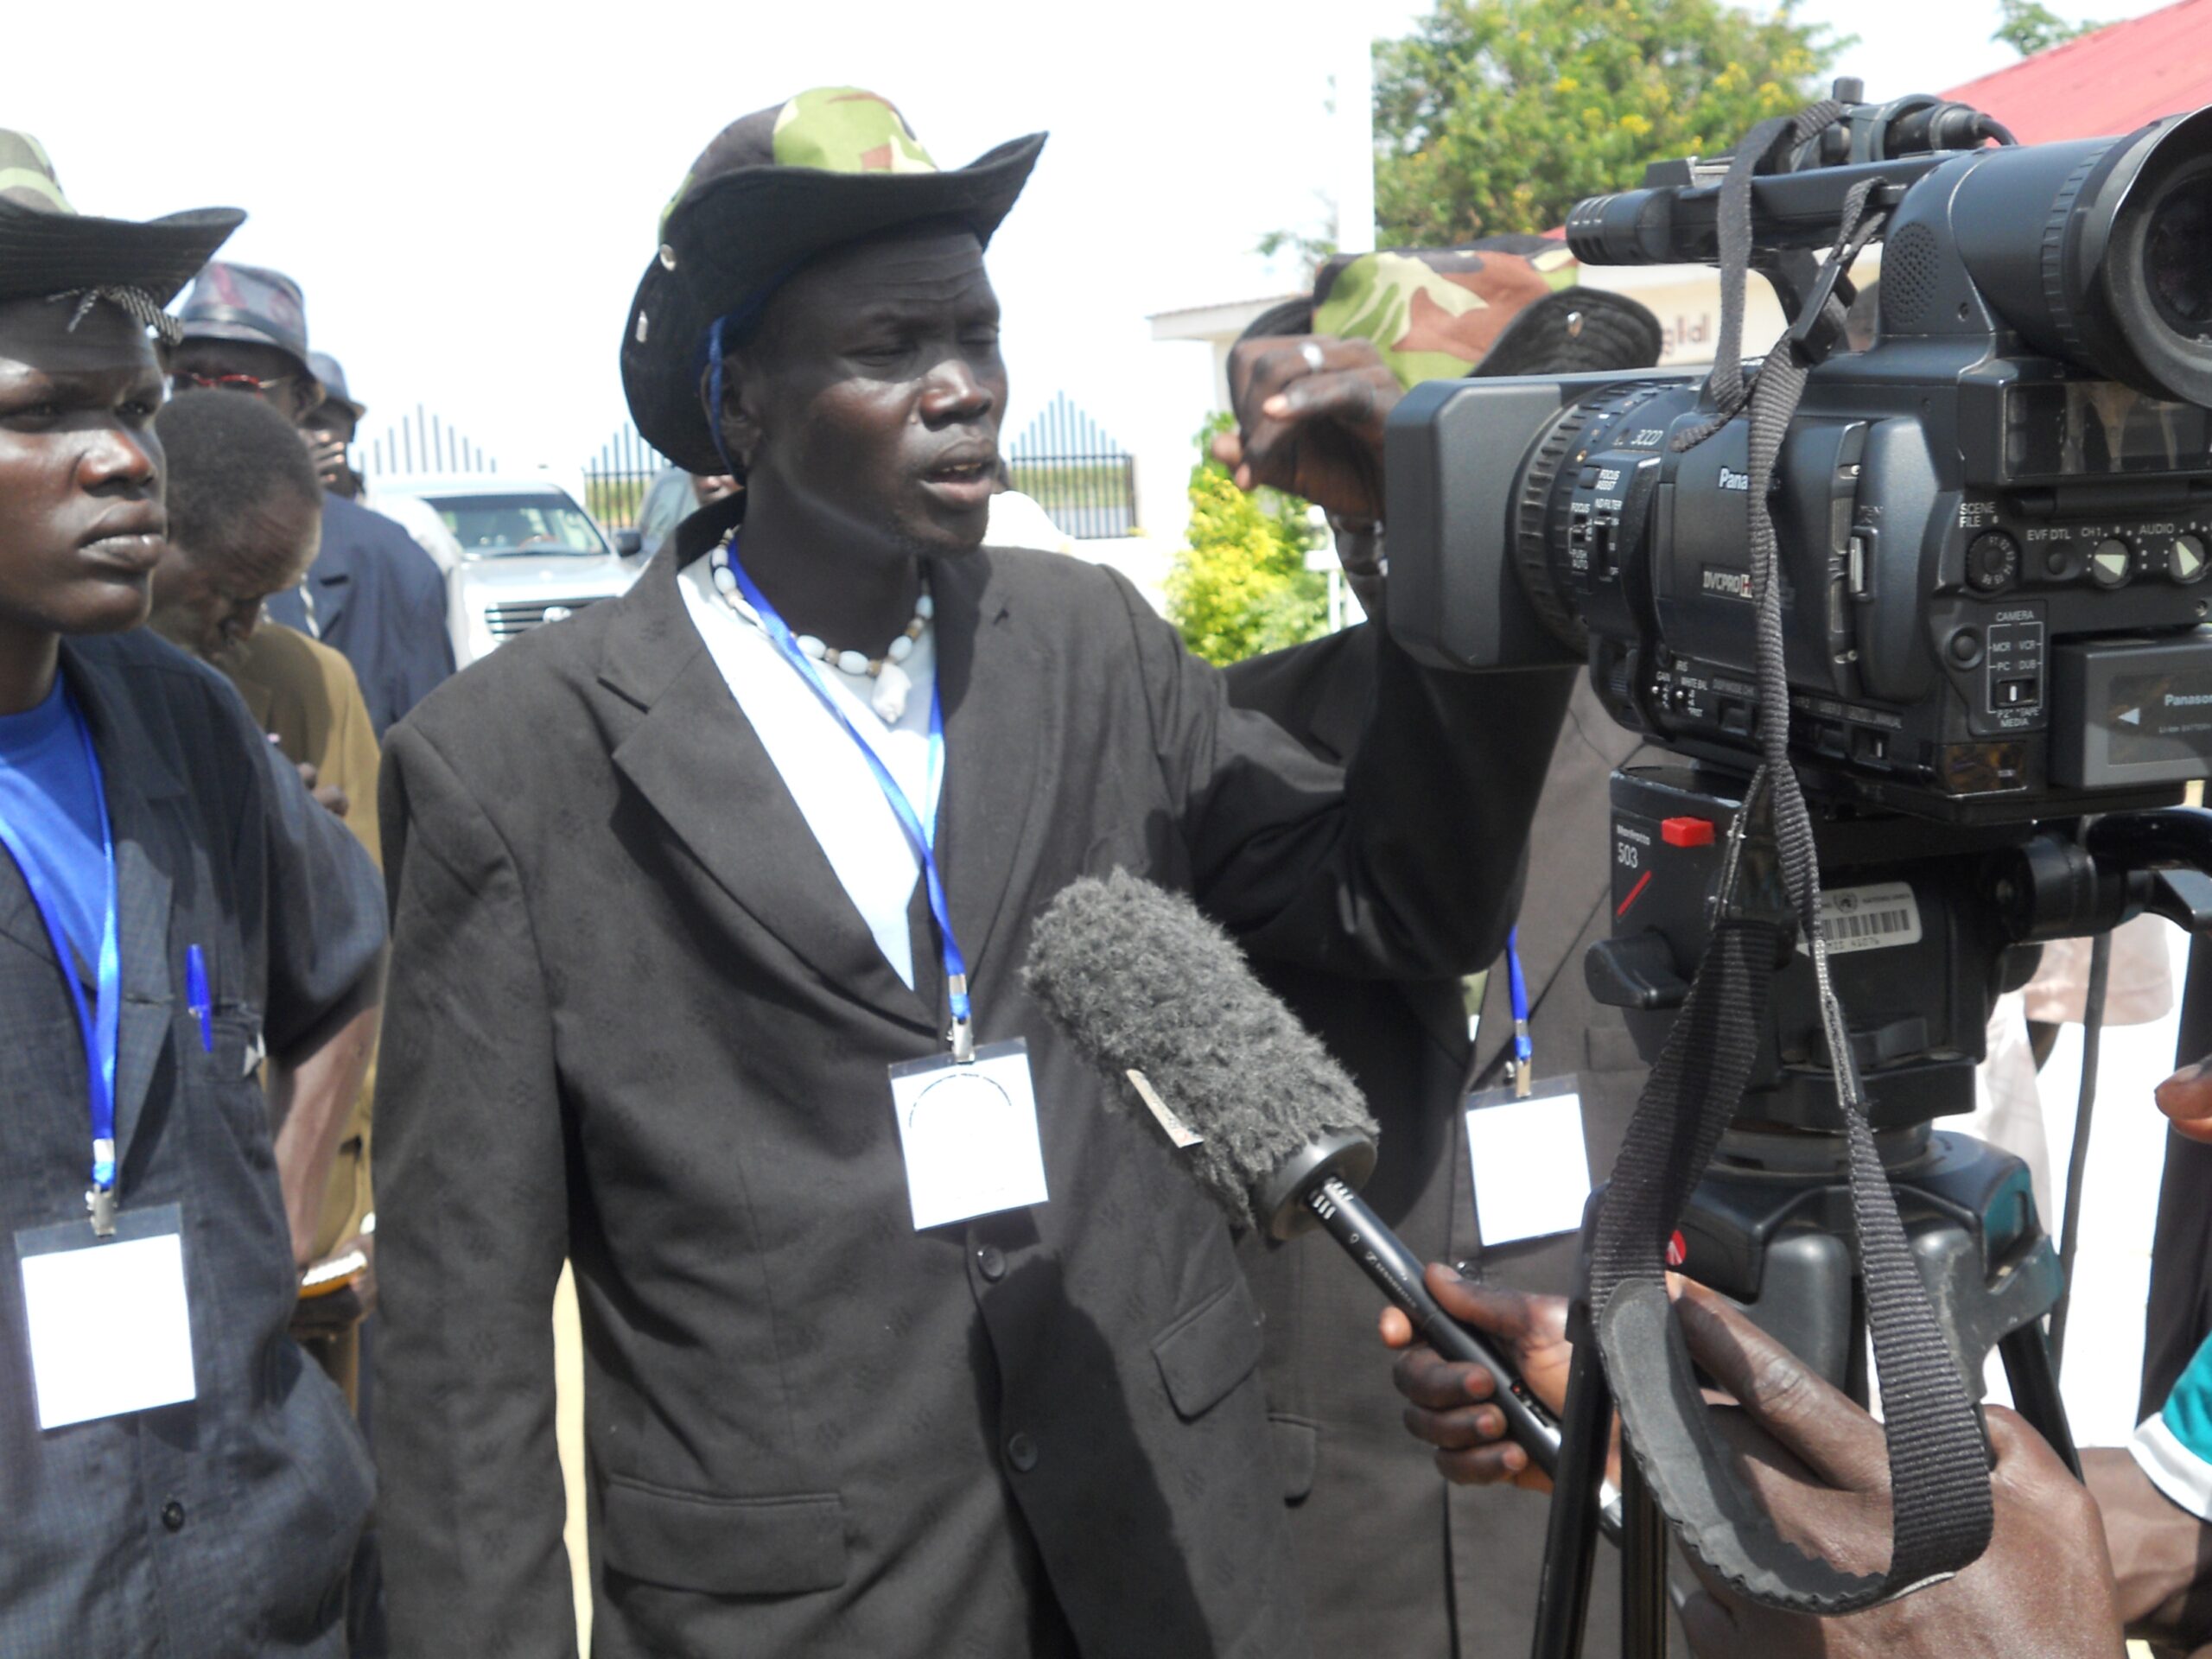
372, 594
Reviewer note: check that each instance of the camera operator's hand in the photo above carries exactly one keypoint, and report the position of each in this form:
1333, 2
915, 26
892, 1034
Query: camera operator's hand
2161, 1554
1310, 412
1446, 1399
2186, 1097
2043, 1589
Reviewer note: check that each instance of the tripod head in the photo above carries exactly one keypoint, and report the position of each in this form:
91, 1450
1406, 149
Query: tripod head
1928, 924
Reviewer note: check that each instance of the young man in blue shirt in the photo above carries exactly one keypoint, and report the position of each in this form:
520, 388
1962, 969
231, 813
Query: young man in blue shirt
173, 907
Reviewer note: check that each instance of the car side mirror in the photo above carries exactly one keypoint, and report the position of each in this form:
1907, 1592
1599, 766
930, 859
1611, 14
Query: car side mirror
629, 544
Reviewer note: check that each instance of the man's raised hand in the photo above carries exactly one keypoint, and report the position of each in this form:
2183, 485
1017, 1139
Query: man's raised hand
1310, 413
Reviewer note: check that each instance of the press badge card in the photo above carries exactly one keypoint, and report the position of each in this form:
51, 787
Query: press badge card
109, 1327
969, 1133
1532, 1170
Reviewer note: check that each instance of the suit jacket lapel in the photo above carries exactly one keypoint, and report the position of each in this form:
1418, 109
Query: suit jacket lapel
138, 777
696, 760
997, 705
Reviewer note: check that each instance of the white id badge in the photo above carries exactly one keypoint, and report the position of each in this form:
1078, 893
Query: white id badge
110, 1327
969, 1133
1532, 1170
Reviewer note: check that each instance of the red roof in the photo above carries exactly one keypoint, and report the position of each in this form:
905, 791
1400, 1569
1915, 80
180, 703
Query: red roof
2104, 84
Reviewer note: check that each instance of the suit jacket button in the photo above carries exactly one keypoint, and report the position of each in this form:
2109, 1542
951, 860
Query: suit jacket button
990, 1261
172, 1516
1021, 1451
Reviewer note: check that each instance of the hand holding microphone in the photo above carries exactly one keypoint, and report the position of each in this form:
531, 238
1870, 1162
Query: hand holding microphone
1448, 1401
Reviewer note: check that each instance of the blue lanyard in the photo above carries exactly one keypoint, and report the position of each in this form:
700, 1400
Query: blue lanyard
1523, 1051
918, 834
96, 1027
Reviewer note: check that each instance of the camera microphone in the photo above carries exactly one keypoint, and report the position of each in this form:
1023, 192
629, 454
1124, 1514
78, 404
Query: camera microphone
1161, 1001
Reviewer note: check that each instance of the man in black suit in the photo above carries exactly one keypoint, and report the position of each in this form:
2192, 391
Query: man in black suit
655, 967
372, 594
1388, 1557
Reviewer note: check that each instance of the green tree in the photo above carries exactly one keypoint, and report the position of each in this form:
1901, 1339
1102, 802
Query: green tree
1497, 116
1239, 585
2029, 27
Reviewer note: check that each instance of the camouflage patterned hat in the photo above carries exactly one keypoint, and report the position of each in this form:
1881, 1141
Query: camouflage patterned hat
775, 188
48, 247
1505, 305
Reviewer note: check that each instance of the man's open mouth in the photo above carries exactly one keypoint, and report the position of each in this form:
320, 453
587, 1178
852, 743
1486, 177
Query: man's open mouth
961, 472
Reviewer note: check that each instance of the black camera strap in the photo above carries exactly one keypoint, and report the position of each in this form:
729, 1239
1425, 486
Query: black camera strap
1939, 1470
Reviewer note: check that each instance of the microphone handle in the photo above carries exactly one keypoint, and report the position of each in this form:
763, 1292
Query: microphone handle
1368, 1241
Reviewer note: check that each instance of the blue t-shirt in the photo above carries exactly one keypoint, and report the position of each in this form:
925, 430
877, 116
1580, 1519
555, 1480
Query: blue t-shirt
53, 814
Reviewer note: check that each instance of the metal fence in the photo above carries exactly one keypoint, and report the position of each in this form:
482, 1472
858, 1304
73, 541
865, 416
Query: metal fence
615, 480
1063, 460
422, 443
1085, 481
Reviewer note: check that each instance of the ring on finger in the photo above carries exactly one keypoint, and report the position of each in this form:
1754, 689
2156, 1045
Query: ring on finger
1311, 353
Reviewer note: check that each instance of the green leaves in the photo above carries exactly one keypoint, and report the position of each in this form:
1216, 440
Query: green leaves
1239, 585
2028, 28
1497, 116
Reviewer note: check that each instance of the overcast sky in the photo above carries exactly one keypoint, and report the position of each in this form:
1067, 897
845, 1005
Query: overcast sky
469, 192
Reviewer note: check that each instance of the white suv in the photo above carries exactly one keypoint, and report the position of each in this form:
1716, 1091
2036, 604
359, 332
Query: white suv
528, 555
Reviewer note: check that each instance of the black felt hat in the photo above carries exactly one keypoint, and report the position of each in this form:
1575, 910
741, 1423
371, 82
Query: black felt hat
774, 189
48, 247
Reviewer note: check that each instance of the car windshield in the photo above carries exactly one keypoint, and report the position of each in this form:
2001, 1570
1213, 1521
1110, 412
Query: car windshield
487, 526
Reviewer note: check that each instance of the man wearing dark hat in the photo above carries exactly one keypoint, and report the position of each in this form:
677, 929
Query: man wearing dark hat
330, 427
177, 1478
710, 905
1389, 1558
372, 593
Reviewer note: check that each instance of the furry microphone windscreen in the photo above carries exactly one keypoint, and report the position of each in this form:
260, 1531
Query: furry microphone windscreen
1139, 981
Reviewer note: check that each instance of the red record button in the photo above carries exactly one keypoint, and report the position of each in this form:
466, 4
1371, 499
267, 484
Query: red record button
1686, 832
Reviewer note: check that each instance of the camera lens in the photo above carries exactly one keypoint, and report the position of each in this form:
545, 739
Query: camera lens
2178, 257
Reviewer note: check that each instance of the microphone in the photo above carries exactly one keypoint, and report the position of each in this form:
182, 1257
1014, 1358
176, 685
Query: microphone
1161, 1001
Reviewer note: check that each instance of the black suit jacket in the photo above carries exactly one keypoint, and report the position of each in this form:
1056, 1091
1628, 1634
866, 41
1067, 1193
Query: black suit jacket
1392, 1561
381, 601
635, 1020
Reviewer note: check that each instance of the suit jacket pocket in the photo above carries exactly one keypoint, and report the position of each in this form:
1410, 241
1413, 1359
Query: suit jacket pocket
724, 1546
1297, 1446
1209, 1350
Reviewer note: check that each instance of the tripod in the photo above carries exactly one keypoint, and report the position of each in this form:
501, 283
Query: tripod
1767, 1227
1940, 914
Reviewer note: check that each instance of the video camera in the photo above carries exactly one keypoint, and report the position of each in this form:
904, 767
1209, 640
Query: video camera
1984, 622
1995, 524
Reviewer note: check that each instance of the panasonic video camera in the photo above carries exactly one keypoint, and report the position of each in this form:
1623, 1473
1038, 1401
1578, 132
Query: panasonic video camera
1995, 522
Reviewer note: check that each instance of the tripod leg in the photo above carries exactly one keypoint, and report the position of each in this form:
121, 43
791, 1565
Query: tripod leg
1570, 1535
1644, 1568
2034, 1383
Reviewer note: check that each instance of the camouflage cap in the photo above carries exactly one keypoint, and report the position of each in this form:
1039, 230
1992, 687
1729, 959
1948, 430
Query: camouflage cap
331, 373
251, 303
1505, 307
774, 189
48, 247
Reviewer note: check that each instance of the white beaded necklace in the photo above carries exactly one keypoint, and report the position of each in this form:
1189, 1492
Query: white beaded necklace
893, 683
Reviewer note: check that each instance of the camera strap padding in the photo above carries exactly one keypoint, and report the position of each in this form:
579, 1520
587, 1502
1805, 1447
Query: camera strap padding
1938, 1462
